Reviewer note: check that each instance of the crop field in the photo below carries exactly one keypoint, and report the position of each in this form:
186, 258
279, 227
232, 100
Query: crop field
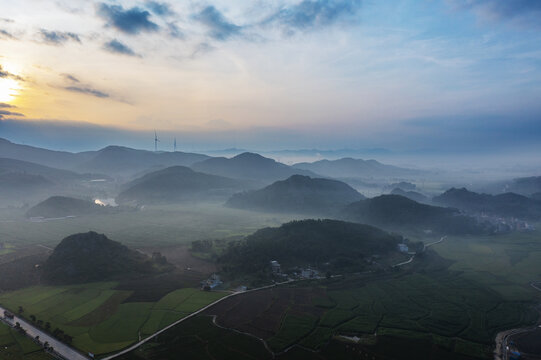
156, 225
506, 263
448, 304
15, 346
98, 317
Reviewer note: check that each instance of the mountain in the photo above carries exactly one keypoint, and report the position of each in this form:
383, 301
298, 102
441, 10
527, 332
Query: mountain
249, 166
89, 257
536, 196
507, 205
338, 244
120, 160
60, 206
25, 181
112, 160
179, 183
55, 159
14, 166
526, 185
298, 194
412, 195
348, 167
398, 212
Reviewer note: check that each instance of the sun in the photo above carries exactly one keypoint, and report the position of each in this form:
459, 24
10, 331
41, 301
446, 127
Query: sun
9, 89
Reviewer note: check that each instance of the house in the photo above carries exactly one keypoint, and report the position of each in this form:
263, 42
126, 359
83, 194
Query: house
275, 267
309, 273
212, 282
403, 248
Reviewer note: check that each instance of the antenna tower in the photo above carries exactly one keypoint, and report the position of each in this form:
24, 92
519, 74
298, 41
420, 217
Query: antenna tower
156, 141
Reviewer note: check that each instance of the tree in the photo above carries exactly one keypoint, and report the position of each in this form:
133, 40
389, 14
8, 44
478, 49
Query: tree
21, 310
33, 318
47, 326
39, 322
46, 344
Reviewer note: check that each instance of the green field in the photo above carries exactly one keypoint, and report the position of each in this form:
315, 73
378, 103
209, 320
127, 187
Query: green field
97, 317
154, 225
15, 346
506, 263
457, 297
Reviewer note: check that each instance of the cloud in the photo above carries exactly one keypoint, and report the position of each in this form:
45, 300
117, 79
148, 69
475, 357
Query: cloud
71, 78
159, 8
175, 31
201, 49
58, 37
116, 47
7, 74
87, 91
4, 113
4, 34
522, 12
131, 21
219, 27
6, 106
313, 14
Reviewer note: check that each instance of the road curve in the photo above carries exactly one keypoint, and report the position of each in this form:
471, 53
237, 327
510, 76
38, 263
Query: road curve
32, 331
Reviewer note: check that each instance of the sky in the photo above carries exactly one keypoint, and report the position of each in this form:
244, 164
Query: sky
412, 76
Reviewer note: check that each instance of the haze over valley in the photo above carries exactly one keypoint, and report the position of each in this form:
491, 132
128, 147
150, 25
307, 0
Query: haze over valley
293, 179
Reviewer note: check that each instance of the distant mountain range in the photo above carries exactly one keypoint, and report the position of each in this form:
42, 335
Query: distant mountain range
249, 166
112, 160
127, 161
412, 195
177, 184
22, 179
60, 206
348, 167
298, 194
398, 212
507, 205
89, 257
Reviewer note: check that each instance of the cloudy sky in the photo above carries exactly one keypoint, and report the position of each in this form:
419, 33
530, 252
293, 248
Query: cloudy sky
413, 75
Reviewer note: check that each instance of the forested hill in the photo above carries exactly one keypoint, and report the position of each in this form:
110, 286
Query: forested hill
398, 212
88, 257
298, 194
342, 244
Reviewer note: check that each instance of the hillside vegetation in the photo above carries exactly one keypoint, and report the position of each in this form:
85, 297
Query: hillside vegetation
398, 212
508, 204
178, 183
60, 206
341, 244
89, 257
298, 194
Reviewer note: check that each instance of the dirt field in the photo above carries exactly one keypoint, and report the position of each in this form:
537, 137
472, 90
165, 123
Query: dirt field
260, 313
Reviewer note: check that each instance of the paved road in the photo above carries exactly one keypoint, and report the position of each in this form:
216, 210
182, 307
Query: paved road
62, 349
424, 248
501, 352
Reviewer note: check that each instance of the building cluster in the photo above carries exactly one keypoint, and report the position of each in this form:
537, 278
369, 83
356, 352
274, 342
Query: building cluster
211, 283
298, 272
503, 225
